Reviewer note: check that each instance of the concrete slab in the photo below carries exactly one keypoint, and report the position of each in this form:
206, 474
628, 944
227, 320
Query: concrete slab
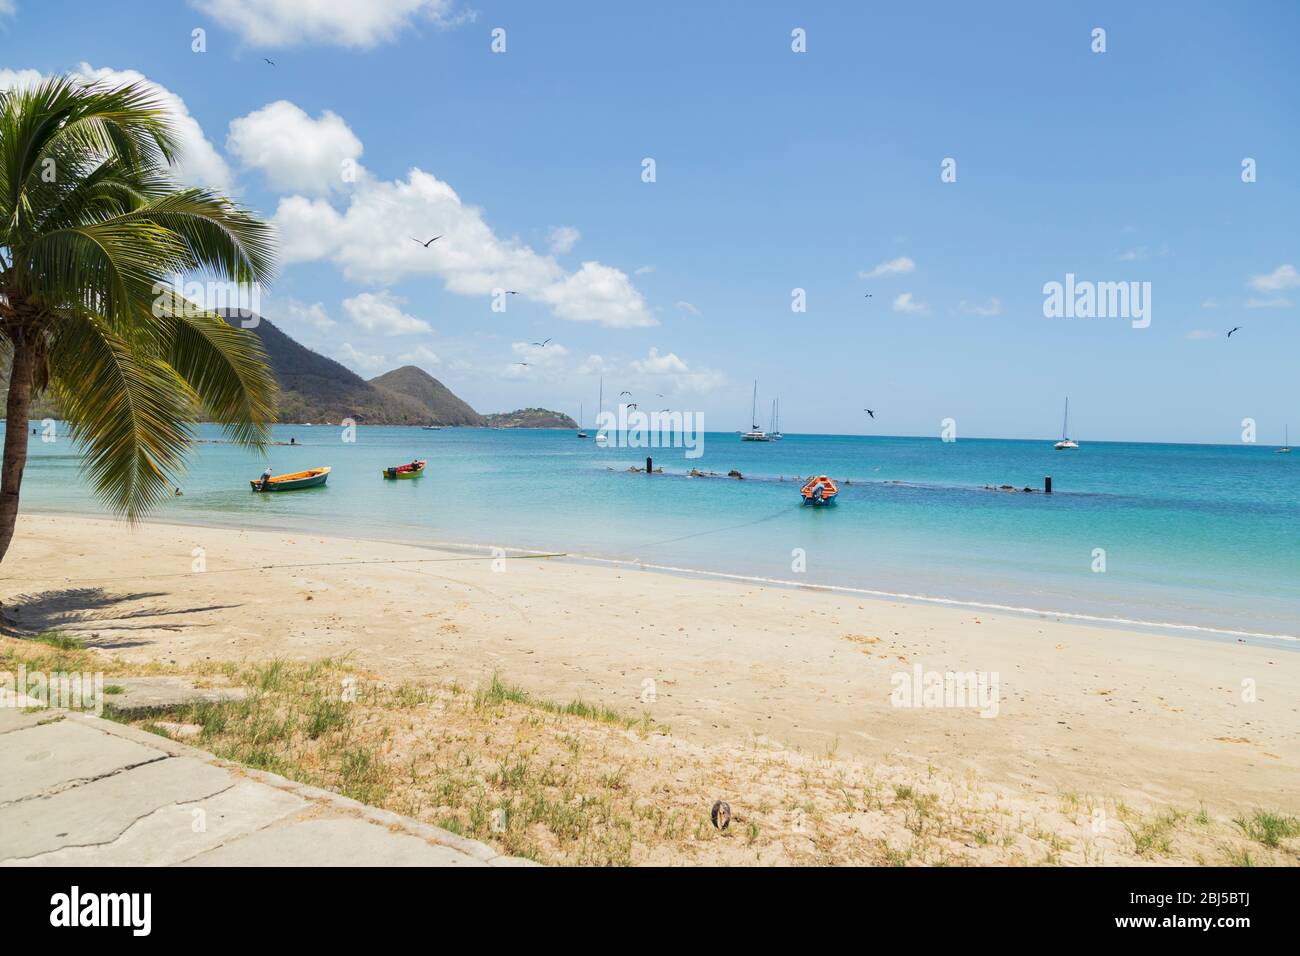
49, 757
143, 695
333, 842
178, 832
83, 791
102, 811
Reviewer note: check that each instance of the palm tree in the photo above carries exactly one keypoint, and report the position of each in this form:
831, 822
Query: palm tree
92, 232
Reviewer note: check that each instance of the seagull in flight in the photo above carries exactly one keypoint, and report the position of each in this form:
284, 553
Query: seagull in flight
870, 412
524, 364
542, 344
272, 62
621, 394
632, 405
511, 292
867, 296
426, 244
1234, 330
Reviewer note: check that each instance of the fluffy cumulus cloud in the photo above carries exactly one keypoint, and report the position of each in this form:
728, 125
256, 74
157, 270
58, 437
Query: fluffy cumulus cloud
348, 23
359, 361
894, 267
369, 239
293, 151
421, 355
907, 304
562, 239
381, 314
667, 368
1283, 277
199, 163
300, 315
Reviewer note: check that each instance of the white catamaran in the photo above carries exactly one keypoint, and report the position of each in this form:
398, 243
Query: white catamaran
775, 433
1065, 441
755, 433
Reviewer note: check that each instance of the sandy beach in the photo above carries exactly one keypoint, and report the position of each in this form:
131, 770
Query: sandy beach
1139, 717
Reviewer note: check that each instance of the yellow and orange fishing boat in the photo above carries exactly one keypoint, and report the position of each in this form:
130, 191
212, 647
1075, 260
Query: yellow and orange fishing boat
819, 491
311, 478
412, 469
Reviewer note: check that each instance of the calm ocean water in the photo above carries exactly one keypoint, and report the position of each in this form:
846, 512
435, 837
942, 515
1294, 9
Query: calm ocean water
1203, 536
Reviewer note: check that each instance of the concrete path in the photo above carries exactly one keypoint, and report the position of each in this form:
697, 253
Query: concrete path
76, 790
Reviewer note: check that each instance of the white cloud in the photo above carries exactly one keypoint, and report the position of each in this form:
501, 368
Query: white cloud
643, 270
19, 79
1274, 302
536, 354
894, 267
688, 308
592, 365
907, 305
380, 314
357, 360
349, 23
370, 240
295, 313
674, 370
1210, 304
991, 308
293, 151
199, 163
562, 239
8, 8
1283, 277
1134, 255
421, 355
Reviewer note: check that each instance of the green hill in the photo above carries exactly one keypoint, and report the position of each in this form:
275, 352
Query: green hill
314, 388
415, 384
529, 418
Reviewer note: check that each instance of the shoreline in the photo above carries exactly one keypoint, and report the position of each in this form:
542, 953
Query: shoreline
732, 663
1285, 642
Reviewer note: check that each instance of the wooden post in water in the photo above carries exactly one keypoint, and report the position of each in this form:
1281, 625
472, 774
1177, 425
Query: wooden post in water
649, 465
1047, 485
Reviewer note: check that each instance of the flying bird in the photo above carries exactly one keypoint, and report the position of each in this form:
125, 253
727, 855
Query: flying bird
524, 364
511, 292
867, 296
1234, 330
272, 62
632, 405
621, 394
542, 344
870, 412
426, 244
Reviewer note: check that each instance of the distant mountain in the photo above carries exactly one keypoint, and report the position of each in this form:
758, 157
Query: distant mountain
314, 388
529, 418
415, 384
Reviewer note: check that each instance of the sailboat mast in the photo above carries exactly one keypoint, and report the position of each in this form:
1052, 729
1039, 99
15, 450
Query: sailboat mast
1065, 425
753, 407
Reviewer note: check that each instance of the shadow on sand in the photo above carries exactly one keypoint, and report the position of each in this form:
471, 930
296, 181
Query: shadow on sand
83, 610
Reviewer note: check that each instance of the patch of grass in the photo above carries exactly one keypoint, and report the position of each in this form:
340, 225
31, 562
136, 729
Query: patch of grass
1155, 834
62, 642
1268, 828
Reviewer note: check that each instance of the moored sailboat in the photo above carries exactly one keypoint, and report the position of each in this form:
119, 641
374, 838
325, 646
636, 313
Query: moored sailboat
1066, 442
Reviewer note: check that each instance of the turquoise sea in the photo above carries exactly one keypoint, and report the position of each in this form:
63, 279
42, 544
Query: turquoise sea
1204, 537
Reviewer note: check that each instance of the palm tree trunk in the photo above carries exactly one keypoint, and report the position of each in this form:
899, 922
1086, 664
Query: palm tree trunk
17, 409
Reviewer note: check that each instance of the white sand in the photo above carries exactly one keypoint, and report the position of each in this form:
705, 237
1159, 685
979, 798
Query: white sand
1136, 716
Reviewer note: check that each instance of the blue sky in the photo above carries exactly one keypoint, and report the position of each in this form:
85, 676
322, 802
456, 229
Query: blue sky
775, 170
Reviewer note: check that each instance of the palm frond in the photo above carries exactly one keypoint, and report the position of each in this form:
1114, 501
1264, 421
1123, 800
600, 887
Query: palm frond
130, 411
